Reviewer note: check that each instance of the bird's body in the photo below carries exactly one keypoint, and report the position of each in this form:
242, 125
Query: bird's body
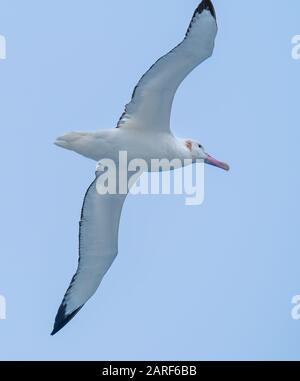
138, 143
143, 132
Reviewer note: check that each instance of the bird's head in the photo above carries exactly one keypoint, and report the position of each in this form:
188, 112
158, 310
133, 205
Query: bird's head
198, 152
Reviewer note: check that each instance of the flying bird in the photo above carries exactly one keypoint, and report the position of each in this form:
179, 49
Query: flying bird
144, 132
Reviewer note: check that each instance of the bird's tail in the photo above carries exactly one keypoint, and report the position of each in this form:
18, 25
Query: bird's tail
70, 140
83, 143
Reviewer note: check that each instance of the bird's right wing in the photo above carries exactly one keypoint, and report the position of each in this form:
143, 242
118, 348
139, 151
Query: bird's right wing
152, 99
98, 247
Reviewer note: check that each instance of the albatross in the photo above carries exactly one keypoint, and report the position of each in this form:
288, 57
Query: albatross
143, 131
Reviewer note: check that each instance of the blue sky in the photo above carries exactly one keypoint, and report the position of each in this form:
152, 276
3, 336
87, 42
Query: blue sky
210, 282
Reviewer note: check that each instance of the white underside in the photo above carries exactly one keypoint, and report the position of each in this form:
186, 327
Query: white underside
138, 144
144, 133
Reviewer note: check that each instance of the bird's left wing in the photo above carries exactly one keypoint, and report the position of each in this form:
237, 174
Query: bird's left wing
98, 247
152, 99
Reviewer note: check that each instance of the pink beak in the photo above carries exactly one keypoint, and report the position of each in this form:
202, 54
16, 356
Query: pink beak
211, 161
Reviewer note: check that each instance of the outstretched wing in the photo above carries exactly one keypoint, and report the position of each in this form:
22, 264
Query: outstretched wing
152, 99
98, 247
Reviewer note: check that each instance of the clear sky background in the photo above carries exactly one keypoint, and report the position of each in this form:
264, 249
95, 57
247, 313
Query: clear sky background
211, 282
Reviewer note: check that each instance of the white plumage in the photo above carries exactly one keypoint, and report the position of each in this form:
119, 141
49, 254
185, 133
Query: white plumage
144, 132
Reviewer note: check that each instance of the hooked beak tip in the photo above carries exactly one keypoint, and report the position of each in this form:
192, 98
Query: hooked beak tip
226, 167
216, 163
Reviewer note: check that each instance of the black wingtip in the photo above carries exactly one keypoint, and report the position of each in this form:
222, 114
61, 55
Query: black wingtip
206, 5
62, 318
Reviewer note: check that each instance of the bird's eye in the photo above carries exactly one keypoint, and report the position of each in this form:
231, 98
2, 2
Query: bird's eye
200, 146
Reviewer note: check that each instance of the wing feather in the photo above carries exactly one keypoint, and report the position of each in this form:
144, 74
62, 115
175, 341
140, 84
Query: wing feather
98, 247
152, 98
